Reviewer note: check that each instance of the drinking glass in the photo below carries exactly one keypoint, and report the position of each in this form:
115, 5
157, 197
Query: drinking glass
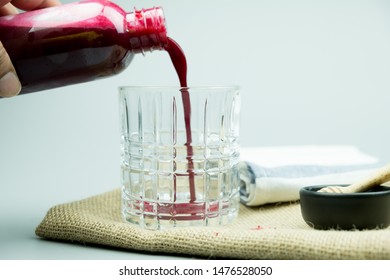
179, 155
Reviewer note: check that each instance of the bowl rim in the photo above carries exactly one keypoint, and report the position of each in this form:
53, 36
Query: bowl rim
313, 191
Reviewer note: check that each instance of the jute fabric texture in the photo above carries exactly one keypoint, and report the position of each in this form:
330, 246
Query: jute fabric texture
267, 232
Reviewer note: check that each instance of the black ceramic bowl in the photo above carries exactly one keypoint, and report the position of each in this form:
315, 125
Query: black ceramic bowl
364, 210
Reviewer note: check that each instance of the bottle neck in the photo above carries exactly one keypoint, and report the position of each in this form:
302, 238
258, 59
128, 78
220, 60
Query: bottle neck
146, 29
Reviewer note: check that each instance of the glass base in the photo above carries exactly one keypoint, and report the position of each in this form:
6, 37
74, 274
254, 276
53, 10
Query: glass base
162, 215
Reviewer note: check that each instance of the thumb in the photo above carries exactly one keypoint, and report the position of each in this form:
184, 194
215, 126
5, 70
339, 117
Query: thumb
9, 82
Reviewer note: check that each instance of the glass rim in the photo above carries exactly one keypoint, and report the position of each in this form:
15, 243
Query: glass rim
230, 87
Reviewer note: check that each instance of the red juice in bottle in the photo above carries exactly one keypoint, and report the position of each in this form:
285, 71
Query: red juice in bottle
78, 42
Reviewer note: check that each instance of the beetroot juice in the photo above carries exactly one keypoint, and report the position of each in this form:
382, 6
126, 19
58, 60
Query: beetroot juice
179, 61
78, 42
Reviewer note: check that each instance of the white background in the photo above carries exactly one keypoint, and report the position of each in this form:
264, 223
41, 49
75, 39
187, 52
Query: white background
311, 73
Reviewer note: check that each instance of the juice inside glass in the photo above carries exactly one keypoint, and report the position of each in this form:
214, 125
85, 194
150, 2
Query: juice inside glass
180, 153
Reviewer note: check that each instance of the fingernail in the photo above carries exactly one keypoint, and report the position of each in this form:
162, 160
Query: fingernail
9, 85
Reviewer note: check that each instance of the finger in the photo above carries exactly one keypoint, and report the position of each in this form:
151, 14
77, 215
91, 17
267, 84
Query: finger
3, 2
9, 82
28, 5
8, 9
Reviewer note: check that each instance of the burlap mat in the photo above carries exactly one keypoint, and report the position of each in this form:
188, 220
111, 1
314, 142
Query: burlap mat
267, 232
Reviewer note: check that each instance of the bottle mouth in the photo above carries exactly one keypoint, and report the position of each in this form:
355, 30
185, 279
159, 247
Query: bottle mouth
149, 28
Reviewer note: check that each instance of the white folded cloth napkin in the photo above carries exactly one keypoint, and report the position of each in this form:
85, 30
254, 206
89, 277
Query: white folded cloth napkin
276, 174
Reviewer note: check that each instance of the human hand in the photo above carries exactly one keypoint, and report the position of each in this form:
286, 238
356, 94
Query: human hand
9, 81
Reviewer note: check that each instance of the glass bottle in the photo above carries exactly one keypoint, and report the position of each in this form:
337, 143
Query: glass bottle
78, 42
